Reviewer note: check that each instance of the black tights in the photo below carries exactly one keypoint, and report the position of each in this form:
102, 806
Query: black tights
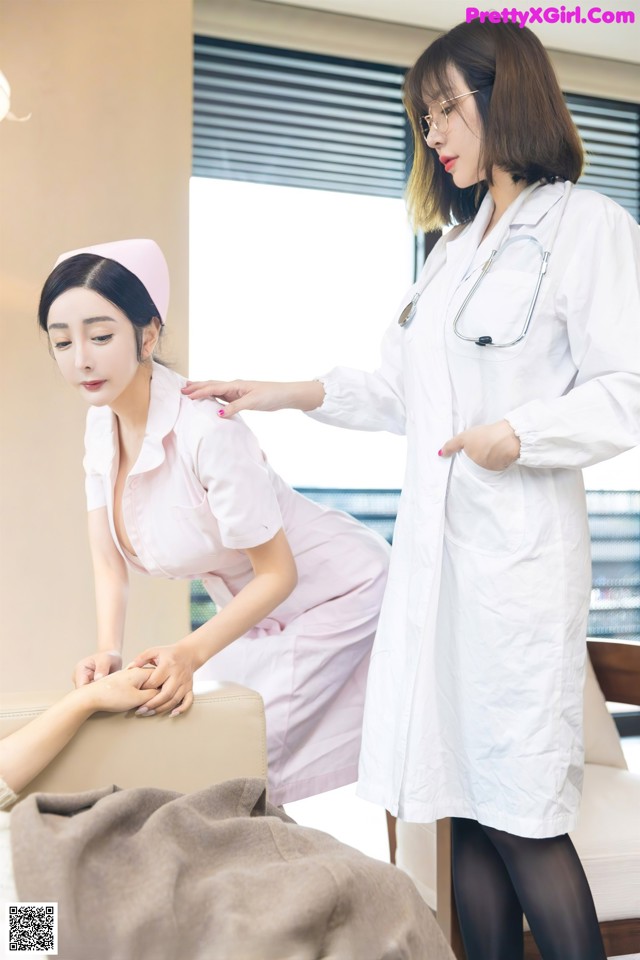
498, 876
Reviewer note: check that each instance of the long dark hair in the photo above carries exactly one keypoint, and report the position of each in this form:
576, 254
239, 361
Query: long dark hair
106, 277
527, 128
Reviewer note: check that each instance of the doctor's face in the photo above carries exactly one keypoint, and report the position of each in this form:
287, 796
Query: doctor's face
455, 132
94, 345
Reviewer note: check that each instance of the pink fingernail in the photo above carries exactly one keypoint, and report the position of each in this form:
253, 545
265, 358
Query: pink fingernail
221, 413
439, 453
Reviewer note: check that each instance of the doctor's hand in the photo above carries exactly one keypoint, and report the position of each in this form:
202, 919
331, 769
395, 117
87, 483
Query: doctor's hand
173, 675
98, 665
493, 446
258, 394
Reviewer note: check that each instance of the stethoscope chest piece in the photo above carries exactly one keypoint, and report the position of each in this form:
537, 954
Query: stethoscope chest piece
409, 311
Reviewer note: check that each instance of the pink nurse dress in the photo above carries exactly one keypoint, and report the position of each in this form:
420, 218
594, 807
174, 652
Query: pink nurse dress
200, 493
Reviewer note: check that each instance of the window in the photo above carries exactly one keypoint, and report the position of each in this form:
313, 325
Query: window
300, 240
610, 131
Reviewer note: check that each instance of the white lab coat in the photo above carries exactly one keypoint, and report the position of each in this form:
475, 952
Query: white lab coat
474, 703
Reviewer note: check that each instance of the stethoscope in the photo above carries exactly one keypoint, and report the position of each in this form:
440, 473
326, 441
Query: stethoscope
409, 312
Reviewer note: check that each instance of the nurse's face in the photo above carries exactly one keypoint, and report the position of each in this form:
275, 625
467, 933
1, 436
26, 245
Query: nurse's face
94, 345
458, 146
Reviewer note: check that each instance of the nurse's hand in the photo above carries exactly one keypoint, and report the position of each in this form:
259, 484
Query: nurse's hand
258, 394
493, 446
98, 665
122, 690
174, 665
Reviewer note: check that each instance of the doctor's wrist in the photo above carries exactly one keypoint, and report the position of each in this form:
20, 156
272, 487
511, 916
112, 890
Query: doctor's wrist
510, 442
307, 395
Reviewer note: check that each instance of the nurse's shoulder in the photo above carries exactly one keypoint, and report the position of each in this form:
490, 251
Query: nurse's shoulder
203, 433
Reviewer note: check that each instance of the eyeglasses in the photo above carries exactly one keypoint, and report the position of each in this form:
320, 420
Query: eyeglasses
440, 120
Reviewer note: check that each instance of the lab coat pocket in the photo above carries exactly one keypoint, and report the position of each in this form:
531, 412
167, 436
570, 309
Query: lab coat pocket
485, 508
491, 476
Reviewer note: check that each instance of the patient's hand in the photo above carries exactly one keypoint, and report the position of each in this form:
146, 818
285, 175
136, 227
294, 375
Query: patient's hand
25, 752
124, 690
95, 666
173, 673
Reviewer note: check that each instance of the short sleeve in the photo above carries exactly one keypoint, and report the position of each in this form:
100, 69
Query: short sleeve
233, 470
94, 490
98, 455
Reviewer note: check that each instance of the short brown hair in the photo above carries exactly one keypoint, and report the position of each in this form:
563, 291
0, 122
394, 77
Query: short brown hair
528, 129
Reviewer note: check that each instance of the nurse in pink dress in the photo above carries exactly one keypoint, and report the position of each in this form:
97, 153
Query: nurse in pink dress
174, 492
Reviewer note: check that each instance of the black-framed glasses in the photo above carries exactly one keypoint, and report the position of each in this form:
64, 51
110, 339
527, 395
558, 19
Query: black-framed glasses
438, 119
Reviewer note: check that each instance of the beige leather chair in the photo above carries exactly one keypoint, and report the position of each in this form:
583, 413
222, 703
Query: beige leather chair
607, 837
221, 737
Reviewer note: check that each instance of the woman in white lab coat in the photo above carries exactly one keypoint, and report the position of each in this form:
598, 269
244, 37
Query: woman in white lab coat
506, 382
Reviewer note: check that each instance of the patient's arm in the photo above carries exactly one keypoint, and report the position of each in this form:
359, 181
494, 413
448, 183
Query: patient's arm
26, 752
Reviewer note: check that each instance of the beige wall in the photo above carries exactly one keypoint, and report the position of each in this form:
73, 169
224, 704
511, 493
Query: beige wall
105, 155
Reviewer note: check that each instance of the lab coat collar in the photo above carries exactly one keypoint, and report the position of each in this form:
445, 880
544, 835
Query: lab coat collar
534, 208
466, 231
538, 204
164, 407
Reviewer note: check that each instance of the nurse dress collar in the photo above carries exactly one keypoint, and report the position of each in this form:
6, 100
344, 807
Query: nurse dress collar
530, 217
164, 408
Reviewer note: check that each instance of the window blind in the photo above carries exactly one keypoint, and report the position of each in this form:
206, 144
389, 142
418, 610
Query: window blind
276, 116
270, 115
610, 132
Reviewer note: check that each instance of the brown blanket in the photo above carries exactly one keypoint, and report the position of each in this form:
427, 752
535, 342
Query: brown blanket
221, 874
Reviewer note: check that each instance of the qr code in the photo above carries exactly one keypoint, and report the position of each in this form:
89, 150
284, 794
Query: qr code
33, 928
